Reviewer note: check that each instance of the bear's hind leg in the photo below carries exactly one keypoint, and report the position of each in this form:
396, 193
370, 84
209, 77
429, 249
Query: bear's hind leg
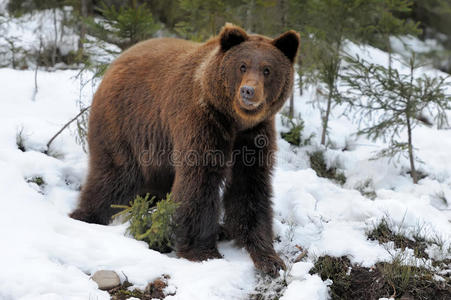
106, 186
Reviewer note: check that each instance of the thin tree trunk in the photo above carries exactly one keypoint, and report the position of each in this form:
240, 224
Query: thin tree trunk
83, 14
326, 117
63, 21
283, 17
389, 62
35, 91
301, 88
13, 53
249, 16
55, 26
291, 106
413, 172
389, 51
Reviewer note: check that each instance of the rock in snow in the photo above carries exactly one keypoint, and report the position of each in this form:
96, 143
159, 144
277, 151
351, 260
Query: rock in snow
106, 280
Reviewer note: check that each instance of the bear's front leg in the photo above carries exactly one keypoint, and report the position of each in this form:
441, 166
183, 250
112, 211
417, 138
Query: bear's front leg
199, 173
247, 198
196, 190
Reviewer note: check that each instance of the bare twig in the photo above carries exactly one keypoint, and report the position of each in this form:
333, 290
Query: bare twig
302, 255
66, 125
394, 290
55, 46
35, 91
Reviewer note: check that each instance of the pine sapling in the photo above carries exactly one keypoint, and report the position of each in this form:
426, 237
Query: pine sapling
123, 26
149, 221
294, 135
388, 103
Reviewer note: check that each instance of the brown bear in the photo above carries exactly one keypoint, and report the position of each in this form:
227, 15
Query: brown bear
197, 121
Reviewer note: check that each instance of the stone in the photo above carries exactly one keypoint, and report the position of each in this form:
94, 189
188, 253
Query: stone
106, 280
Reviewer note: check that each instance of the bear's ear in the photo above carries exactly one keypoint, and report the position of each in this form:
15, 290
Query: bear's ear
230, 36
288, 43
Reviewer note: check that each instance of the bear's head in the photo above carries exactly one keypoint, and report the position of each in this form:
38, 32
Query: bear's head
255, 73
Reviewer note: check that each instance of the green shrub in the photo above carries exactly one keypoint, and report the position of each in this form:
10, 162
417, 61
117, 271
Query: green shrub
37, 179
150, 222
294, 134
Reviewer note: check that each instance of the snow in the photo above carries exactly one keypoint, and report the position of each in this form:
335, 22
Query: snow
32, 33
47, 255
311, 288
408, 43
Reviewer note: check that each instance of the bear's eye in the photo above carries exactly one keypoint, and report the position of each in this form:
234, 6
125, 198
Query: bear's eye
243, 68
266, 71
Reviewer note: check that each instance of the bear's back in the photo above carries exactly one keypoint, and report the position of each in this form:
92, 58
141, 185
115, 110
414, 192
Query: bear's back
155, 56
147, 67
142, 87
164, 49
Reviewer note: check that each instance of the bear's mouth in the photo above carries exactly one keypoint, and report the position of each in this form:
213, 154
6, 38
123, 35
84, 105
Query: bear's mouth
251, 109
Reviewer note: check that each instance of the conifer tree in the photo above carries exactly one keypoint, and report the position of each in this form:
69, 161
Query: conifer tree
386, 22
331, 22
125, 25
203, 19
390, 103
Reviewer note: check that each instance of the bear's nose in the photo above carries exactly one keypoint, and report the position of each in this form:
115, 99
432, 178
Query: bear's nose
247, 92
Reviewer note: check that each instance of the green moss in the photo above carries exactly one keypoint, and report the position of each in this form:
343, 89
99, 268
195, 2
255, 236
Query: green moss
150, 222
335, 269
154, 290
122, 293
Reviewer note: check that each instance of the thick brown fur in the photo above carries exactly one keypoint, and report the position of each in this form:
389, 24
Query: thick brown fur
169, 117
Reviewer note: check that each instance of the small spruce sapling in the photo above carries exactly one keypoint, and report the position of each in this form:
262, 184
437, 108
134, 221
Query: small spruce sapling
150, 222
388, 102
123, 26
294, 134
331, 23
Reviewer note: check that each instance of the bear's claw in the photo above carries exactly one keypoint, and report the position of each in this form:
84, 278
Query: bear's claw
199, 254
269, 264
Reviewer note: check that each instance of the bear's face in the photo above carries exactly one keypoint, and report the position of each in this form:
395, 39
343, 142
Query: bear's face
257, 72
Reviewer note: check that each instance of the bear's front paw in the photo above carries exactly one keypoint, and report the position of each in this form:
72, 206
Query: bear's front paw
269, 264
199, 254
80, 215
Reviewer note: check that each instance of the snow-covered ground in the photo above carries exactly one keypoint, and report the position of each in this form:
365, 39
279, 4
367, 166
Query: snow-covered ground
46, 255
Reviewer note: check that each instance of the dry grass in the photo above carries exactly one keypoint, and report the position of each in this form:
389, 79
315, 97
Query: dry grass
384, 280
